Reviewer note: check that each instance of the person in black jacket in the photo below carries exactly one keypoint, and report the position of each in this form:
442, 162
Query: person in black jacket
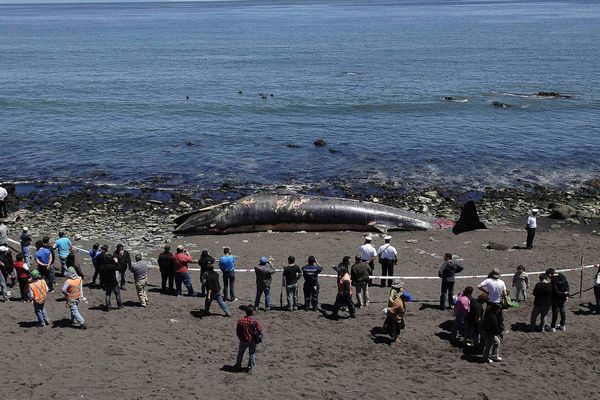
492, 328
473, 321
542, 294
560, 295
447, 271
205, 260
166, 264
213, 292
109, 268
124, 261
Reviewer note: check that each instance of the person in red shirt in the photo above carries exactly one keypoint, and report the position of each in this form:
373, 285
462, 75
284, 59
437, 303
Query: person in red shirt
182, 272
250, 332
22, 271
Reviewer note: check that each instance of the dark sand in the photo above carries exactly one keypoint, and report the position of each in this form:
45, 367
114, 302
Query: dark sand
168, 352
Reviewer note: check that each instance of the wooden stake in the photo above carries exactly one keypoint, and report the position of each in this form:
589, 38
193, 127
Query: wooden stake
581, 278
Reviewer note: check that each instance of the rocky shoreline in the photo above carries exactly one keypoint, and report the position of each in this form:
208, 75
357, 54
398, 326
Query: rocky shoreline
143, 218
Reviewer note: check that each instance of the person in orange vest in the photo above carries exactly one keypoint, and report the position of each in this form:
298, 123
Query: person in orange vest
38, 291
344, 296
72, 291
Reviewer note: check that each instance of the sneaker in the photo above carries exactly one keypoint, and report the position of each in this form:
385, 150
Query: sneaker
250, 371
490, 361
562, 328
234, 300
496, 359
228, 315
552, 330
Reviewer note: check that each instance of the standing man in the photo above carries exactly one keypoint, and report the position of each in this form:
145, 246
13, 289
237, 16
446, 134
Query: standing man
182, 272
166, 263
108, 277
51, 270
359, 274
94, 254
291, 275
72, 291
3, 201
447, 272
43, 260
64, 247
531, 225
263, 271
560, 295
368, 253
388, 257
311, 273
124, 261
140, 275
213, 291
227, 266
250, 333
25, 240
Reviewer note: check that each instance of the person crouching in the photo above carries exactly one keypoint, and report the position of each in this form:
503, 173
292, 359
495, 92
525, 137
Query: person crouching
72, 291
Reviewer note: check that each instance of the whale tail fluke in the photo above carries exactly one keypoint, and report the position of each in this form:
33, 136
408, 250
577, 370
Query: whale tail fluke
468, 220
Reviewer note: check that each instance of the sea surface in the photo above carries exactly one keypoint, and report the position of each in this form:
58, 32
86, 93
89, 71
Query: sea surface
189, 95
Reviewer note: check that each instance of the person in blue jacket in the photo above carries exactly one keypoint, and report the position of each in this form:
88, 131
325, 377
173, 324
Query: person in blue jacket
311, 272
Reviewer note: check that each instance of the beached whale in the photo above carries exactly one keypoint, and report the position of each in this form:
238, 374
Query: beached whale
296, 212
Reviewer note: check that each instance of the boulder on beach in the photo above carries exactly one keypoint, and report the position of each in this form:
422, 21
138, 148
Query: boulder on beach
562, 211
496, 246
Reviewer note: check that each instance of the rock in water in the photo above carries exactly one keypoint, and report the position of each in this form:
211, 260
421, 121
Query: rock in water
469, 220
320, 143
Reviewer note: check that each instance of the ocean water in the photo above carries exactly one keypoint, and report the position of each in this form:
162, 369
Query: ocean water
97, 93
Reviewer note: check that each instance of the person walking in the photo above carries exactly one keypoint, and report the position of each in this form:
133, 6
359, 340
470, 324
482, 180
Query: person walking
264, 272
447, 272
311, 273
227, 267
542, 297
25, 241
166, 264
213, 292
291, 275
63, 247
250, 333
38, 292
344, 294
124, 261
72, 291
139, 268
531, 226
22, 271
3, 203
43, 259
108, 277
560, 295
359, 274
182, 272
94, 253
205, 260
388, 258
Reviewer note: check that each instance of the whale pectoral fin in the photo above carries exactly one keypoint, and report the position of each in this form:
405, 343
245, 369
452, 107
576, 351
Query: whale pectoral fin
378, 227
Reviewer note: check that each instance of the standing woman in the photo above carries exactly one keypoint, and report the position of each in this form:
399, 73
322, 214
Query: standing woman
204, 261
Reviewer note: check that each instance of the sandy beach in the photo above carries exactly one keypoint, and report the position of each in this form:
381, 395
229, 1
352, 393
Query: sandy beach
169, 351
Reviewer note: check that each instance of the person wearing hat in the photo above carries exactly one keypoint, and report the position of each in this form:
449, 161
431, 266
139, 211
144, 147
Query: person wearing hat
139, 268
531, 226
166, 264
344, 295
72, 291
368, 254
182, 272
227, 266
3, 201
38, 291
388, 257
264, 272
213, 292
394, 321
311, 272
494, 287
447, 272
250, 333
25, 240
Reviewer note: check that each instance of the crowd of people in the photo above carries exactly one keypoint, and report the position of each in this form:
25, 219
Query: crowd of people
478, 318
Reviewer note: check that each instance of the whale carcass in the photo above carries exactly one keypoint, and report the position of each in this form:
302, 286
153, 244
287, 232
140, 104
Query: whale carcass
262, 212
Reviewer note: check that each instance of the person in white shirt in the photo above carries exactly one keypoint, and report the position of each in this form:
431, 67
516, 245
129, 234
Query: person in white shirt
368, 254
531, 225
388, 257
3, 208
494, 287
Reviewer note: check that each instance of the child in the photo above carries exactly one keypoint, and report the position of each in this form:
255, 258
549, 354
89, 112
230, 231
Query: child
38, 291
521, 283
473, 320
542, 293
461, 309
22, 271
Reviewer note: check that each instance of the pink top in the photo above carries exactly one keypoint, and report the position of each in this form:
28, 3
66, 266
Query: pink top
463, 304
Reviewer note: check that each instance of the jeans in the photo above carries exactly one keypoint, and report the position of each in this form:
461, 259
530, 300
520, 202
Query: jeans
108, 290
447, 287
597, 294
259, 292
183, 277
292, 296
48, 275
342, 300
215, 296
311, 295
387, 269
252, 354
556, 308
140, 288
3, 287
492, 342
76, 318
537, 310
457, 327
123, 278
63, 265
41, 314
96, 273
530, 236
25, 250
165, 276
521, 293
471, 332
229, 285
362, 293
